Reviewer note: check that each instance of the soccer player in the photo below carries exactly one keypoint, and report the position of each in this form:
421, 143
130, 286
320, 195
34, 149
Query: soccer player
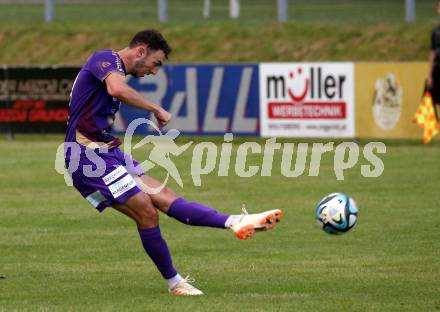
101, 172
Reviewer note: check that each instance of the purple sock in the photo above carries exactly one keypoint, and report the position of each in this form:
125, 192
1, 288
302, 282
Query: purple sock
196, 214
156, 247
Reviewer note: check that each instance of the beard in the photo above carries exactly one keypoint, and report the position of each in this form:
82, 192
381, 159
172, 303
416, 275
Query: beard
139, 69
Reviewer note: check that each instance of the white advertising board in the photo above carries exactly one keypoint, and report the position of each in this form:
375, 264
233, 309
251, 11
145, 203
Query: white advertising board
307, 100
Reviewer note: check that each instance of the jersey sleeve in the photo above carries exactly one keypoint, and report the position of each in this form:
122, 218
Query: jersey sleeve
104, 63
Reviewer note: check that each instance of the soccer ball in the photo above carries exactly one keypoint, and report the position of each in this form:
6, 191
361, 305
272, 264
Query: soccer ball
336, 213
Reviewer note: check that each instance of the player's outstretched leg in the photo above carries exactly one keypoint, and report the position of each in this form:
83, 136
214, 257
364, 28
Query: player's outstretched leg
196, 214
244, 225
140, 208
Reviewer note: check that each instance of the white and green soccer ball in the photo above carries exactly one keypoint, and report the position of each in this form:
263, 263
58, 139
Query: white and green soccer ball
336, 213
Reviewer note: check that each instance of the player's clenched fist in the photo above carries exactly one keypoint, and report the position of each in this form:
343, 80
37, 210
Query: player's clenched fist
162, 116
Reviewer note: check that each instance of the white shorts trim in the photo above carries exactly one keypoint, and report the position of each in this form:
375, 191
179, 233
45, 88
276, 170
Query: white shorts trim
96, 198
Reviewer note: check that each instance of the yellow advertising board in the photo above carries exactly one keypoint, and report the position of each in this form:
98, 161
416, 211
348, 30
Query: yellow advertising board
387, 96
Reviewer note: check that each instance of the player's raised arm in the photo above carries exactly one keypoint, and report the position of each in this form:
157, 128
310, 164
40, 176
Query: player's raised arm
118, 88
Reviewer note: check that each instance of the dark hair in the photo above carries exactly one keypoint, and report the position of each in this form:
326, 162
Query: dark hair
153, 39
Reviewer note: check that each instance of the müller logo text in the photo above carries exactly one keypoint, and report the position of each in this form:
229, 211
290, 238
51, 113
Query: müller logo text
306, 93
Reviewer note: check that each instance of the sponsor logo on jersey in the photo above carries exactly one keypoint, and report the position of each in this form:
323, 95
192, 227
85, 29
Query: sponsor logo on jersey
122, 186
115, 174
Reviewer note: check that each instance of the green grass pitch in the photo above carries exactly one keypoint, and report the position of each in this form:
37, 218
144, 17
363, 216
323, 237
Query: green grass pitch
58, 254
